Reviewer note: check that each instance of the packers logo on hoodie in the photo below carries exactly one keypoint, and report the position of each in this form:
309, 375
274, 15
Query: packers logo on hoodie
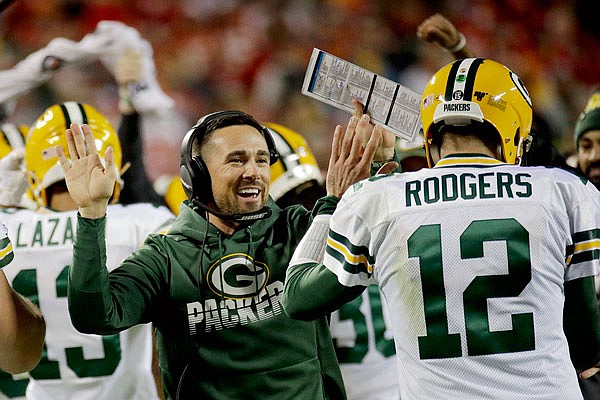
237, 276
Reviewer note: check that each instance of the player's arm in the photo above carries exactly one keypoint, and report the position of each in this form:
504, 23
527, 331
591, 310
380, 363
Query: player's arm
312, 291
22, 331
106, 303
326, 270
137, 187
439, 30
582, 323
581, 316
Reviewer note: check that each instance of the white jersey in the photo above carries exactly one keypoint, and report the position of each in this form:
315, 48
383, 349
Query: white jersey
75, 365
471, 257
365, 348
6, 253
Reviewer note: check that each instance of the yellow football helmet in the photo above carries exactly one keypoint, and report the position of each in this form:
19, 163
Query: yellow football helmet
43, 168
175, 194
296, 165
12, 137
483, 90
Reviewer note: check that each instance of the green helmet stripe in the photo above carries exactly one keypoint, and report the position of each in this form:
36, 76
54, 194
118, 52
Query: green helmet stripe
470, 83
451, 80
461, 79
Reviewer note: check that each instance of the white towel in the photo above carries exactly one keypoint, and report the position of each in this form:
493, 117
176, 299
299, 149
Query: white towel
106, 43
147, 95
13, 180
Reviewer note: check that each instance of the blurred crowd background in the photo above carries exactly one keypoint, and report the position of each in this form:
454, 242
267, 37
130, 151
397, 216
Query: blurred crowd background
252, 55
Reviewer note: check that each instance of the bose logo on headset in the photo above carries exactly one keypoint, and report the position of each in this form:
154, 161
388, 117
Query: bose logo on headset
194, 175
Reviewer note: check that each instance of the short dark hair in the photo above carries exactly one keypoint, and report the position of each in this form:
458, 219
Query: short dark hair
222, 120
485, 131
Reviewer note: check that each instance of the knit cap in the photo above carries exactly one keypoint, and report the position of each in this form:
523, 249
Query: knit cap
589, 119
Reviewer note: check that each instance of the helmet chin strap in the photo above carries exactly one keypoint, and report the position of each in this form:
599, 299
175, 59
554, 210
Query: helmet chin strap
263, 213
435, 154
500, 153
523, 148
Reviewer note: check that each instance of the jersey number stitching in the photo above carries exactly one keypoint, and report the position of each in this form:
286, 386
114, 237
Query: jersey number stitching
425, 244
25, 282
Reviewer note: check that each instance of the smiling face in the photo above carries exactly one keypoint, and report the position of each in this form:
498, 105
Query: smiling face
237, 158
588, 155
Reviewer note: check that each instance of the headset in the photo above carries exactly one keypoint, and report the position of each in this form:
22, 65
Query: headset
193, 172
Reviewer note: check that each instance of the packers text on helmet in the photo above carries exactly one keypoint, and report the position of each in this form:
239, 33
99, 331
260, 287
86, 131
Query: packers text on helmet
482, 90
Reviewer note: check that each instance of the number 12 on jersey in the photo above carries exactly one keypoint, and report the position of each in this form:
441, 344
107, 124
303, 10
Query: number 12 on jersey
426, 244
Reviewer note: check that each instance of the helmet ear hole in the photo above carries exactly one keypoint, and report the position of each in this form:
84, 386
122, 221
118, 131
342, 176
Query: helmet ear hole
35, 188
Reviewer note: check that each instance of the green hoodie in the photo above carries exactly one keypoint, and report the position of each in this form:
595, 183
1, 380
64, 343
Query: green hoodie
221, 332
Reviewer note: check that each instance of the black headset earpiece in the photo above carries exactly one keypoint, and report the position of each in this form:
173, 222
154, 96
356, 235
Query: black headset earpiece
194, 175
190, 171
195, 179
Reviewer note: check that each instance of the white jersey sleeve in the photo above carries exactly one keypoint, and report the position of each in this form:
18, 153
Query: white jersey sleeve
472, 262
582, 251
76, 365
6, 252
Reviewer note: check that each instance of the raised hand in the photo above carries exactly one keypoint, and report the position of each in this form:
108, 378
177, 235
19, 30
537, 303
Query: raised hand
351, 154
385, 151
13, 178
439, 30
128, 75
90, 181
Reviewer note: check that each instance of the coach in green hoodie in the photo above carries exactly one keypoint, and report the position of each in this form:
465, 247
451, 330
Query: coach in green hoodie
212, 284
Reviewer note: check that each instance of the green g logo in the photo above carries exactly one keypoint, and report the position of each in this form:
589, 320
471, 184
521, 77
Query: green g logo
519, 84
237, 276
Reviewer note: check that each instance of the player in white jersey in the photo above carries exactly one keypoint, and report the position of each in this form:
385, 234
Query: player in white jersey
477, 258
365, 347
75, 365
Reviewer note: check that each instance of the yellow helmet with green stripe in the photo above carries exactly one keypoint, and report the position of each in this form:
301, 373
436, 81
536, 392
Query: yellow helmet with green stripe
296, 165
43, 168
481, 90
